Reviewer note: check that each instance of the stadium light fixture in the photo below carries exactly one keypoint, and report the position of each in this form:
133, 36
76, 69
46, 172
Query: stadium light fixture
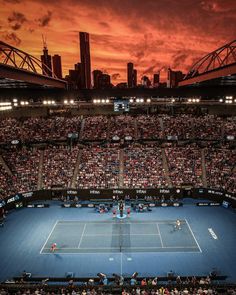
107, 100
65, 101
148, 100
72, 101
131, 100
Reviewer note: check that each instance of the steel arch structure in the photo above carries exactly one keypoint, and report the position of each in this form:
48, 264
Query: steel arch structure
19, 59
221, 57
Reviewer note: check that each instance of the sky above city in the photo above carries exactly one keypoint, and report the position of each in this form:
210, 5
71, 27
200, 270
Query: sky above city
153, 34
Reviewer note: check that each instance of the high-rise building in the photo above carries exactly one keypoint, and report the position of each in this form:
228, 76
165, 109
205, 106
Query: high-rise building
96, 75
134, 78
130, 69
74, 77
85, 60
57, 69
104, 81
156, 80
173, 78
145, 82
46, 60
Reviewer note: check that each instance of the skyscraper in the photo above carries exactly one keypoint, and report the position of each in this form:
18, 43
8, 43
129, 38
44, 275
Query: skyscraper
96, 75
85, 60
57, 69
156, 80
173, 78
46, 60
130, 69
134, 78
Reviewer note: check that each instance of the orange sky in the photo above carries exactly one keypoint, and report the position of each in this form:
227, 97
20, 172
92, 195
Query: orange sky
150, 33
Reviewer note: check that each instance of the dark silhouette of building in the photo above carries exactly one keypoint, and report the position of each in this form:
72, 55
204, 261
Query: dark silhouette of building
131, 75
173, 78
57, 69
130, 68
96, 75
74, 78
104, 81
85, 60
134, 78
156, 80
46, 60
145, 82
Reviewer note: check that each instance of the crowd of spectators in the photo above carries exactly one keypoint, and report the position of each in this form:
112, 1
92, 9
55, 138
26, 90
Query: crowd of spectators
185, 165
24, 165
149, 127
37, 129
95, 128
221, 168
143, 168
99, 168
58, 166
104, 127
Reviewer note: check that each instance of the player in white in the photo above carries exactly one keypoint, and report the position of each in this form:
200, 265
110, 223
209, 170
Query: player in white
177, 224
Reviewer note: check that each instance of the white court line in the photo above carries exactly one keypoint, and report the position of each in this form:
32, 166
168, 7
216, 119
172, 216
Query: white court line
113, 248
121, 264
193, 235
82, 236
160, 235
64, 222
48, 237
111, 235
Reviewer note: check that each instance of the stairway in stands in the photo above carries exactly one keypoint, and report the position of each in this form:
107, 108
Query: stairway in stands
166, 167
81, 129
76, 170
40, 172
136, 129
5, 166
204, 178
121, 170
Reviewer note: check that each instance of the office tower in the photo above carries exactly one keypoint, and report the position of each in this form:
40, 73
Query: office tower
134, 78
46, 62
104, 81
156, 80
74, 77
130, 69
57, 69
145, 82
85, 60
173, 78
96, 75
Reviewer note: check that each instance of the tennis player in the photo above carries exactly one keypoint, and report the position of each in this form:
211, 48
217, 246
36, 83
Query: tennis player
177, 224
53, 247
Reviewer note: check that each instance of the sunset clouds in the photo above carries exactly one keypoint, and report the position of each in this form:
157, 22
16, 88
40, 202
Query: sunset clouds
150, 33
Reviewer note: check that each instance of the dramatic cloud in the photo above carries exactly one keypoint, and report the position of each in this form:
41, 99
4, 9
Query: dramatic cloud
152, 33
12, 38
16, 19
115, 76
45, 19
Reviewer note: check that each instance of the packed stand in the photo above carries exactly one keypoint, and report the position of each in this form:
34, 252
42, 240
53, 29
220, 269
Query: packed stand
58, 166
122, 126
149, 127
54, 128
10, 129
6, 184
221, 168
179, 127
208, 127
95, 128
24, 164
185, 165
99, 168
143, 168
230, 127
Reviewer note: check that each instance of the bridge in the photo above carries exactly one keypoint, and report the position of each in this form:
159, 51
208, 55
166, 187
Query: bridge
217, 67
19, 69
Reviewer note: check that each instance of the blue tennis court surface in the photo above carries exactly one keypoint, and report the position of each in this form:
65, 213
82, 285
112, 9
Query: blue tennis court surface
117, 236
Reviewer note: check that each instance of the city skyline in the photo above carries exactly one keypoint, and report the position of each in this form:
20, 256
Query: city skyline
150, 34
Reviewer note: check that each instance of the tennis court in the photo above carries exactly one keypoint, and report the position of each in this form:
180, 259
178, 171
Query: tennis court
74, 237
